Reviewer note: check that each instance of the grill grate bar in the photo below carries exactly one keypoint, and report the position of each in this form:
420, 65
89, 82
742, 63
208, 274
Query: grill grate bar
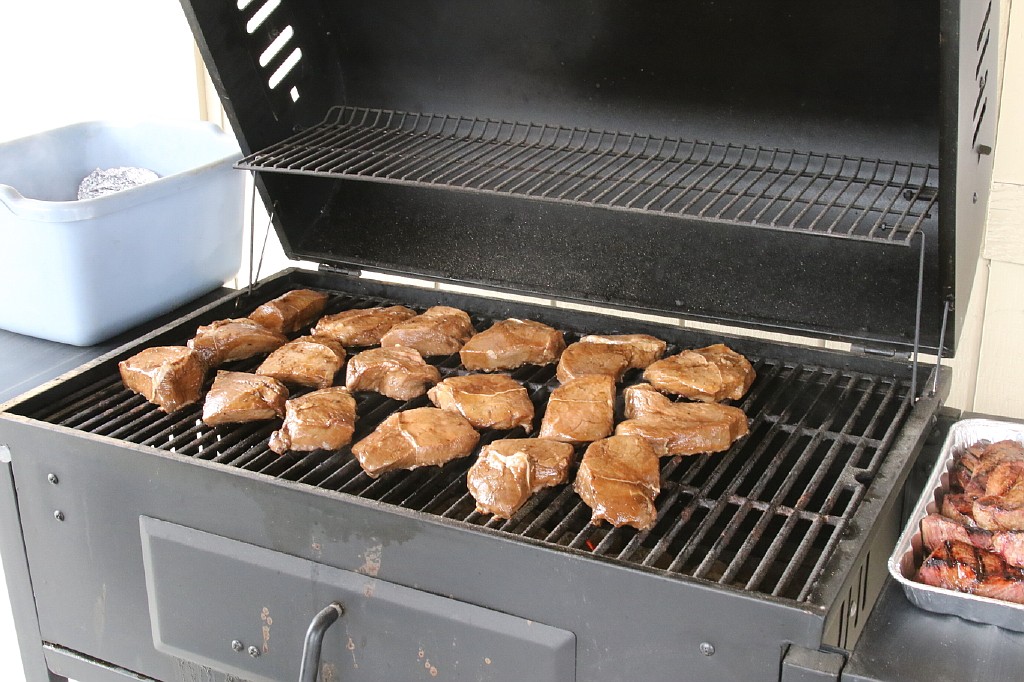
769, 188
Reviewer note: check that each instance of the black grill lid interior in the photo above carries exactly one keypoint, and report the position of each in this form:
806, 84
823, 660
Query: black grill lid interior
763, 164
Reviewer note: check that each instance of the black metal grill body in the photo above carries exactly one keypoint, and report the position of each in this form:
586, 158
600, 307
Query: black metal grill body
778, 542
821, 169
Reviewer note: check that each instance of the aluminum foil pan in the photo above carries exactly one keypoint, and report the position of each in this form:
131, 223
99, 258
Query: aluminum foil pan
909, 553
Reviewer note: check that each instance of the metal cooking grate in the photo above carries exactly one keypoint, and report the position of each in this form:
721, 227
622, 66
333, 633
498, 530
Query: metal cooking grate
763, 516
840, 196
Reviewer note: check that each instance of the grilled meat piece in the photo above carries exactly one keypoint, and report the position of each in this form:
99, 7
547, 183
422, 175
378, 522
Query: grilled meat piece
512, 343
438, 331
581, 359
290, 312
170, 377
640, 349
306, 361
963, 567
242, 397
710, 374
680, 428
396, 372
425, 436
1000, 512
362, 327
619, 479
1008, 544
488, 401
235, 339
321, 420
508, 472
580, 410
975, 465
958, 507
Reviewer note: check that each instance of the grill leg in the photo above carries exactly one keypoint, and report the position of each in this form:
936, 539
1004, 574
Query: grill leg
19, 582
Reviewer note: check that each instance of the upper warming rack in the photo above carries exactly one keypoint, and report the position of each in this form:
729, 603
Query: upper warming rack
820, 193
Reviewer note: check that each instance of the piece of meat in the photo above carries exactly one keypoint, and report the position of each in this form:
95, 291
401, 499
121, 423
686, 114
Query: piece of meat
937, 529
619, 479
508, 472
321, 420
963, 567
363, 326
512, 343
580, 410
1000, 512
958, 507
425, 436
640, 349
237, 397
680, 428
488, 401
306, 361
709, 374
396, 372
170, 377
979, 461
437, 331
290, 312
581, 359
235, 339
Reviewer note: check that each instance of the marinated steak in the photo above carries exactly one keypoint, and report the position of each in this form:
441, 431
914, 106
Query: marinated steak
1008, 544
362, 327
438, 331
619, 479
321, 420
242, 397
425, 436
170, 377
488, 401
397, 372
963, 567
235, 339
508, 472
512, 343
640, 349
680, 428
306, 361
709, 374
580, 410
290, 312
581, 359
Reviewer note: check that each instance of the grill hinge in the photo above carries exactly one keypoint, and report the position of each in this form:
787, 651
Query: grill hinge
339, 270
804, 665
881, 352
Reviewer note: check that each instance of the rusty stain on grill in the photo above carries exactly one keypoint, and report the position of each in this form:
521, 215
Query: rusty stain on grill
763, 516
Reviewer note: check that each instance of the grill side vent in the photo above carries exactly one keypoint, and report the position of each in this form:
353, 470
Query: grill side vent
981, 76
279, 56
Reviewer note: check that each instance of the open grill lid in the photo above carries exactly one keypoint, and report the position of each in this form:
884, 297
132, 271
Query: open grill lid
811, 172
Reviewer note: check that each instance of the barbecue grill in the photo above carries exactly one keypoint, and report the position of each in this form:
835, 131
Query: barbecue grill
579, 152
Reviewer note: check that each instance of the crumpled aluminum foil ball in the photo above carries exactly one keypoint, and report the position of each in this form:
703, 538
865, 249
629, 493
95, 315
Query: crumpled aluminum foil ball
110, 180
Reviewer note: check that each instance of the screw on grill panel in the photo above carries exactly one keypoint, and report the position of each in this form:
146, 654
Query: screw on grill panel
254, 652
707, 648
52, 478
59, 515
237, 645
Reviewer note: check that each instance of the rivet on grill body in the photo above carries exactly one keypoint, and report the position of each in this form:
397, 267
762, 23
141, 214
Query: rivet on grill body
707, 648
254, 652
52, 478
59, 515
237, 645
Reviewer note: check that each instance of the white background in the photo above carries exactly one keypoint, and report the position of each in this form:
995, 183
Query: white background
66, 61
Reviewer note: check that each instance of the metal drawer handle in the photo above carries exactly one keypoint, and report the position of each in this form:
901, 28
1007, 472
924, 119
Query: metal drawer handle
310, 669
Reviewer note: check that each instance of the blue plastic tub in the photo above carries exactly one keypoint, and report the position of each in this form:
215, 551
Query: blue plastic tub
79, 272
